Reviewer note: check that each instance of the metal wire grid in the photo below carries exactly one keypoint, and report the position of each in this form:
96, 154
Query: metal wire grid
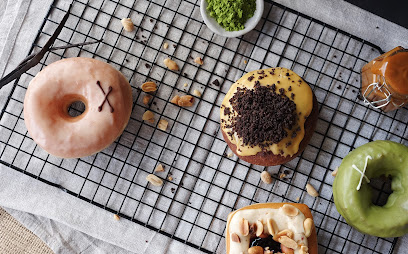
207, 183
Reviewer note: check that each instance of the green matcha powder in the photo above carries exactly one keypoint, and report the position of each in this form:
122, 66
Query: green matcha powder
231, 14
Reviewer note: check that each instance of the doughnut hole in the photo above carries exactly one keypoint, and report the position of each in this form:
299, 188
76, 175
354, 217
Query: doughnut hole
73, 107
381, 190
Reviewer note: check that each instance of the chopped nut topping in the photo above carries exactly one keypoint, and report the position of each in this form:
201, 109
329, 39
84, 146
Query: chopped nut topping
235, 238
290, 210
171, 64
127, 24
304, 250
163, 124
245, 62
197, 93
308, 226
230, 154
199, 61
256, 250
288, 242
148, 116
156, 181
170, 178
165, 45
116, 217
259, 228
185, 85
282, 175
149, 86
272, 227
285, 232
159, 168
244, 227
146, 99
311, 190
266, 177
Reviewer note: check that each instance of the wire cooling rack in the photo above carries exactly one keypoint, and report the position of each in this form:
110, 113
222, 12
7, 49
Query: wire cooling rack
206, 182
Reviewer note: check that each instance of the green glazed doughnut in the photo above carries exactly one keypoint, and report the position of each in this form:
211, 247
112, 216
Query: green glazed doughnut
387, 158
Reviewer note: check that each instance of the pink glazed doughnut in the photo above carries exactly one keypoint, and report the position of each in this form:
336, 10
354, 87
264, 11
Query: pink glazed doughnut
107, 97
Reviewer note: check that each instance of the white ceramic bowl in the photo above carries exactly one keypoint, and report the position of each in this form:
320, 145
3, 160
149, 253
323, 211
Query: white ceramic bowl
216, 28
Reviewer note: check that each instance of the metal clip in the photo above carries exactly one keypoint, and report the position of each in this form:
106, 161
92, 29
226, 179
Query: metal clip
382, 88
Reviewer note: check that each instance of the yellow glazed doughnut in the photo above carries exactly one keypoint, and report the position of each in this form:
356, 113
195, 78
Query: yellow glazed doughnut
107, 97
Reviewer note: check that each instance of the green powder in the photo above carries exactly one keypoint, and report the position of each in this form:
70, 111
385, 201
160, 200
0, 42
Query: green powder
231, 14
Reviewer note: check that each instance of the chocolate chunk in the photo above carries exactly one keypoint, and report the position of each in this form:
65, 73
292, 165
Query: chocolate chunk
287, 74
339, 87
263, 116
216, 82
148, 66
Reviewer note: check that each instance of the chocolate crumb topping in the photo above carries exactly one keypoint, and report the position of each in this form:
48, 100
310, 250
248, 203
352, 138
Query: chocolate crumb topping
282, 90
263, 116
250, 78
227, 111
289, 88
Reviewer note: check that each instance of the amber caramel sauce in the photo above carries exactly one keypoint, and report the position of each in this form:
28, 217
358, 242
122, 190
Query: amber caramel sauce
393, 68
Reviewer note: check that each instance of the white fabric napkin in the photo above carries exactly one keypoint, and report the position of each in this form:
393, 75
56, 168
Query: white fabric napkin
70, 225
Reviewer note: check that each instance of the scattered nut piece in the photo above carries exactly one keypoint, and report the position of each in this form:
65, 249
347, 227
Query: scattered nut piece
303, 250
244, 227
185, 85
290, 210
288, 242
285, 232
235, 238
197, 93
163, 124
311, 190
298, 198
199, 61
170, 178
229, 155
148, 116
116, 217
171, 64
271, 227
175, 99
149, 86
159, 168
146, 99
334, 173
165, 45
259, 228
282, 175
245, 62
256, 250
266, 177
156, 181
186, 101
308, 226
127, 24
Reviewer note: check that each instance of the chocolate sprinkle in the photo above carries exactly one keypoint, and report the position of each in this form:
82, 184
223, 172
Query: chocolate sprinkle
262, 115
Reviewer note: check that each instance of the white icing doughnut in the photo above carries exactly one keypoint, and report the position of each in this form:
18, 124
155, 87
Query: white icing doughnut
60, 84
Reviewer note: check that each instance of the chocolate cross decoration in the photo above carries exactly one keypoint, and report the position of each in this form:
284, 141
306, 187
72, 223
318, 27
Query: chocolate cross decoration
106, 97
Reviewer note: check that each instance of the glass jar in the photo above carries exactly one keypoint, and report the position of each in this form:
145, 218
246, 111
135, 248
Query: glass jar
384, 80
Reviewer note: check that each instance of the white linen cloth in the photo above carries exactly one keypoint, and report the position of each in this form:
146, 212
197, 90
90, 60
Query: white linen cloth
70, 225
